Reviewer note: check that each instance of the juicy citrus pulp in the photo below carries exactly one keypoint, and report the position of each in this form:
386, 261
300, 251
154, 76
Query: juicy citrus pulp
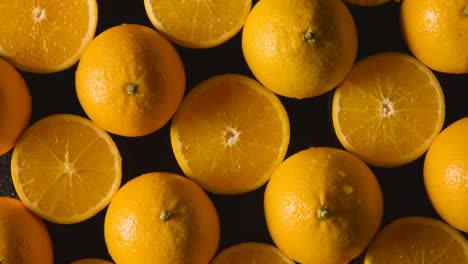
446, 174
229, 134
388, 110
251, 253
130, 80
418, 240
46, 36
15, 106
161, 218
300, 48
66, 169
323, 205
198, 23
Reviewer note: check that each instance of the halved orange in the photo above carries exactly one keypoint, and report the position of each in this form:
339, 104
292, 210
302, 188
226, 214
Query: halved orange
46, 36
418, 240
229, 134
252, 252
66, 169
196, 23
389, 109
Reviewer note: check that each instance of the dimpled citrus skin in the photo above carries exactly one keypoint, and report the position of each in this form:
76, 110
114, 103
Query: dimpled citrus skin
435, 31
300, 48
130, 80
251, 252
161, 218
15, 106
446, 174
23, 236
323, 206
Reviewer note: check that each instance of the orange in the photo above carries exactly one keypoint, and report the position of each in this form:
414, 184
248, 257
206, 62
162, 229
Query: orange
66, 169
300, 48
23, 236
446, 174
46, 36
323, 206
435, 33
198, 24
418, 240
367, 2
388, 110
91, 261
161, 218
229, 134
130, 80
251, 253
15, 106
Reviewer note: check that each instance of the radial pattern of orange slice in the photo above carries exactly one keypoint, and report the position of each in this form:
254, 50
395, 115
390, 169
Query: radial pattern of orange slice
418, 240
198, 23
389, 109
229, 134
252, 253
45, 36
66, 169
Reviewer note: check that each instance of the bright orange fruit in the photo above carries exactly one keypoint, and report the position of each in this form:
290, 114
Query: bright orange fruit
229, 134
66, 169
251, 253
46, 36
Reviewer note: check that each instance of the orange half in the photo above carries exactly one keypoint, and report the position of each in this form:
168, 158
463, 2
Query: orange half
66, 169
418, 240
198, 24
46, 36
229, 134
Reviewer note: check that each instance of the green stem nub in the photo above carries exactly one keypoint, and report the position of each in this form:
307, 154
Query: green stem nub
165, 215
323, 213
465, 11
131, 89
309, 36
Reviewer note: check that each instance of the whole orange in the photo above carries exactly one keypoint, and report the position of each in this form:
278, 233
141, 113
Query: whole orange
446, 174
323, 206
23, 236
300, 48
435, 32
130, 80
161, 218
15, 106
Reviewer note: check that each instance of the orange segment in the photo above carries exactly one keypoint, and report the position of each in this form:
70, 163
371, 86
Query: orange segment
196, 23
45, 36
388, 110
66, 169
251, 253
418, 240
229, 134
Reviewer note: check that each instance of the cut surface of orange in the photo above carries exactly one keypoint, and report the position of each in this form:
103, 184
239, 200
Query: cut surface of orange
418, 240
388, 110
66, 169
252, 252
45, 36
196, 23
229, 134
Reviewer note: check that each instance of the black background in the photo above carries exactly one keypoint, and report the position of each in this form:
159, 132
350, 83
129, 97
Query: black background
241, 216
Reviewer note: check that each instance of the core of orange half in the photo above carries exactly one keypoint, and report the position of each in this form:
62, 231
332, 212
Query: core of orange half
418, 240
229, 134
46, 36
389, 109
252, 252
66, 169
198, 23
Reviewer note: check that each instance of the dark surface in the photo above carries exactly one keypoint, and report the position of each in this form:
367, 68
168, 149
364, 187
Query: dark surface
241, 216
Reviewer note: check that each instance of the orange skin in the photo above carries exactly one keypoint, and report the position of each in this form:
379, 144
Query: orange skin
15, 106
